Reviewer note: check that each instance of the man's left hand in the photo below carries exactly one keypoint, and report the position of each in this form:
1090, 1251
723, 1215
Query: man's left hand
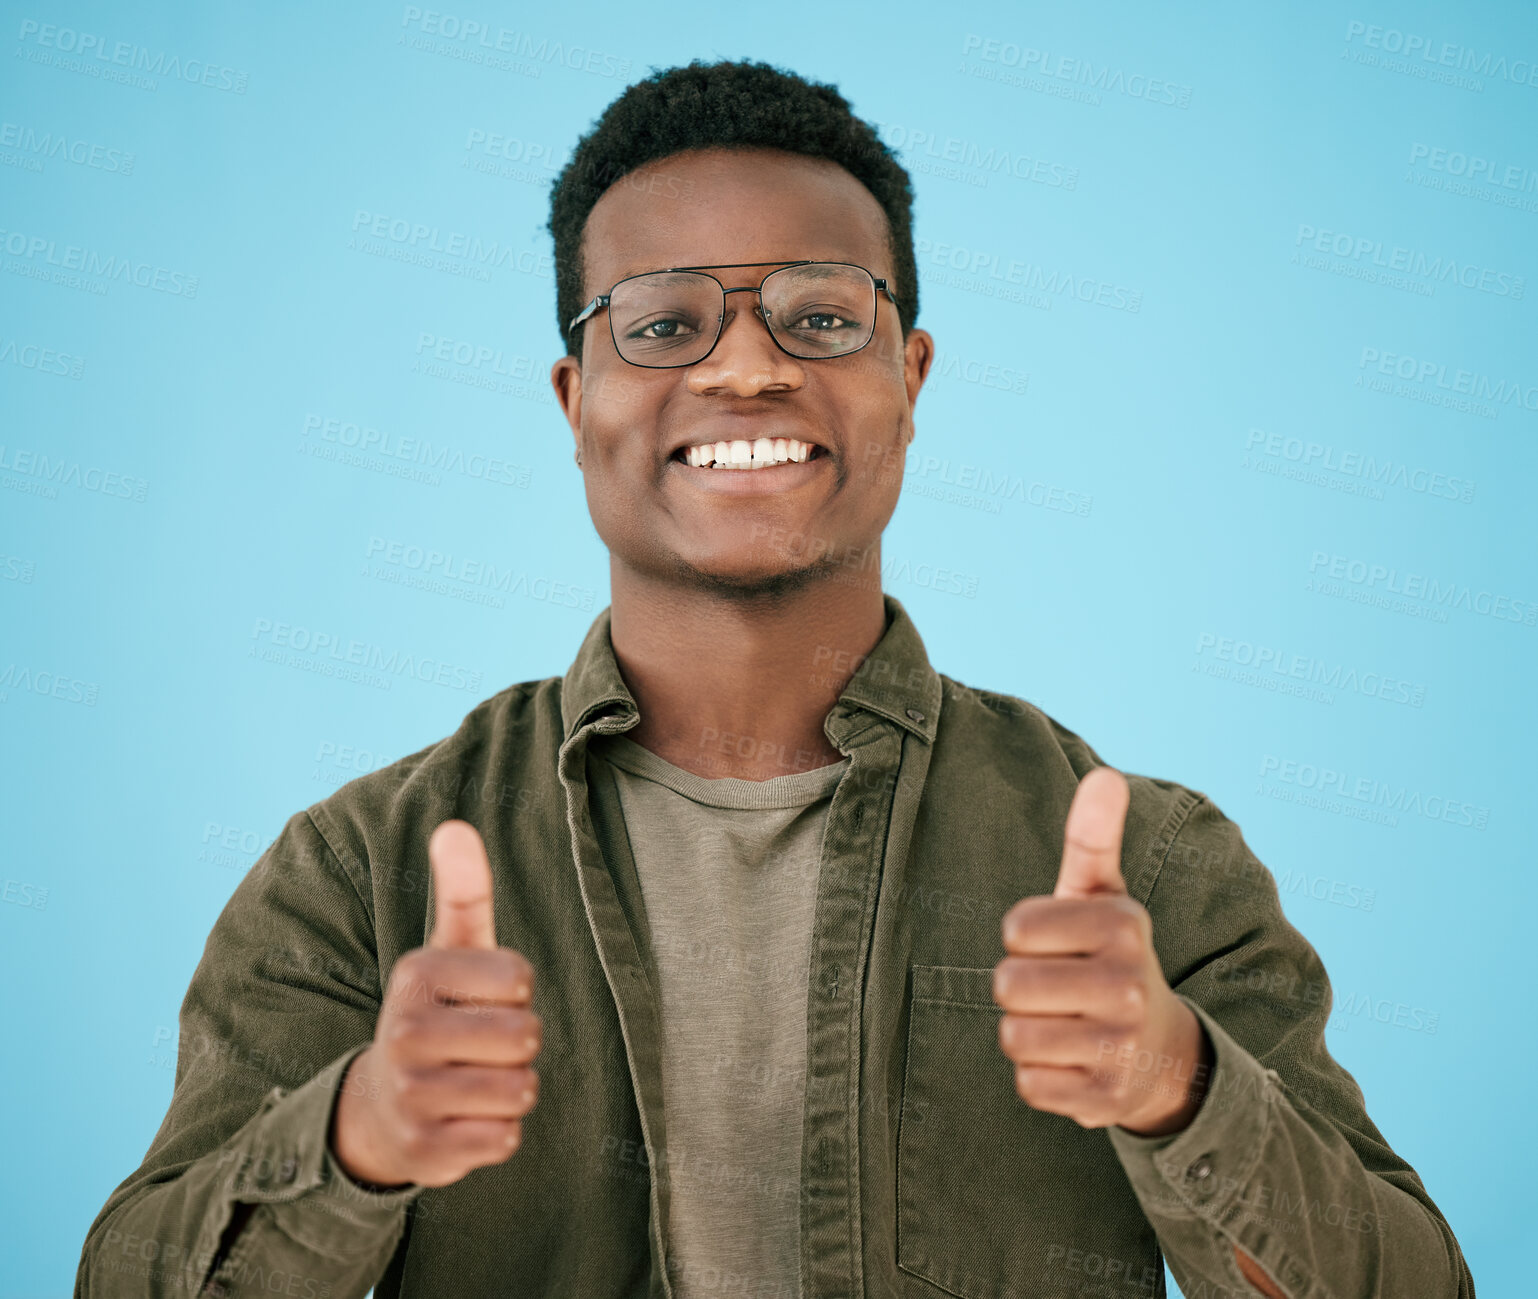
1093, 1029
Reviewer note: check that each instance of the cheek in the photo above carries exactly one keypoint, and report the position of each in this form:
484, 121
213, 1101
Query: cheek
874, 425
617, 400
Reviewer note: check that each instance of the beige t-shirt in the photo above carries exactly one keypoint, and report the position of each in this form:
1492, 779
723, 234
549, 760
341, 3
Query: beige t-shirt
728, 871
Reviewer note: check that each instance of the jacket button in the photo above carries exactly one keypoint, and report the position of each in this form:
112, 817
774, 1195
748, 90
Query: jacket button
1200, 1169
915, 714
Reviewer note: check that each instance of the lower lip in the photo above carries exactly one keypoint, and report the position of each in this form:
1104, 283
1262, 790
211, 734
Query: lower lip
752, 482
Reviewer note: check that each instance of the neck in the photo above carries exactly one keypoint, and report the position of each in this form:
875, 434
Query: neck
740, 687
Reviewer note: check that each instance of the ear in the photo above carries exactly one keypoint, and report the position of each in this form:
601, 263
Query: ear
566, 379
918, 356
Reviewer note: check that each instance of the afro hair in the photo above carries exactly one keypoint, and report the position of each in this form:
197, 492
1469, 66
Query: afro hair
726, 104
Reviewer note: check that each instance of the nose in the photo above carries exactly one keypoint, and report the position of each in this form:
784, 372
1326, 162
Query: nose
745, 360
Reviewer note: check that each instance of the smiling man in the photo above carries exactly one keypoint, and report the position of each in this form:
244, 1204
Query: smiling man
843, 978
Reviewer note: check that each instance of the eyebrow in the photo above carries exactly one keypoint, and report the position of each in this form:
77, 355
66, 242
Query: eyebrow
716, 266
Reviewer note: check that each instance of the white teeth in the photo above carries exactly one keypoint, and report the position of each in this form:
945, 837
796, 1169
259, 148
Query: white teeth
742, 454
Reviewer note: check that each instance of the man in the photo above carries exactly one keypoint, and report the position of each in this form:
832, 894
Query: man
755, 863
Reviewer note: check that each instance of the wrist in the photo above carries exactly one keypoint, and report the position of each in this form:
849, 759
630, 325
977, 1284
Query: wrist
346, 1136
1177, 1089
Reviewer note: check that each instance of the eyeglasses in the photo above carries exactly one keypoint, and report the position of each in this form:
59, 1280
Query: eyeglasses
673, 317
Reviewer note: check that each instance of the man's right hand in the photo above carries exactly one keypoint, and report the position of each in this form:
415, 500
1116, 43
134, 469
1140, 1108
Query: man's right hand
448, 1077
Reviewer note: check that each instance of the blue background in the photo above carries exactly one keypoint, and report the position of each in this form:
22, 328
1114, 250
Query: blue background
1214, 434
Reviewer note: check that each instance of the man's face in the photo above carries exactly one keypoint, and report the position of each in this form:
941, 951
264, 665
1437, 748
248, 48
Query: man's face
741, 531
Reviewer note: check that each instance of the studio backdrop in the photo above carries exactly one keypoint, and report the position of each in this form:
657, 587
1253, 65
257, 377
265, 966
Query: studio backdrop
1242, 296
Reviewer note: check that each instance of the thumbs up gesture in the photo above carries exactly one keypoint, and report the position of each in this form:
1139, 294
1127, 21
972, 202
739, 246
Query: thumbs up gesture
1093, 1029
447, 1080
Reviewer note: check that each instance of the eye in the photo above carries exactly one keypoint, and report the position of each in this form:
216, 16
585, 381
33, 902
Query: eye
818, 321
664, 327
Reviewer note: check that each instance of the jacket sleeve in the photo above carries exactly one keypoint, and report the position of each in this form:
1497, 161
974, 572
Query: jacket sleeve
1281, 1158
238, 1192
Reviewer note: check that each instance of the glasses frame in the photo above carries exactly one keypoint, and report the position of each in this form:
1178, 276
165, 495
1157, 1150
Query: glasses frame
602, 300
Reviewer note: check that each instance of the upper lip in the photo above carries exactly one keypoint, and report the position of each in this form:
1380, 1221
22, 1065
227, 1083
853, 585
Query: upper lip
708, 437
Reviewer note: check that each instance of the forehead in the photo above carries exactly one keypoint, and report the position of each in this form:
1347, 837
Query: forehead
720, 206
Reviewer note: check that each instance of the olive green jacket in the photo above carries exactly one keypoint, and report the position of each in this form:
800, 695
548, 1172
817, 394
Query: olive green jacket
923, 1173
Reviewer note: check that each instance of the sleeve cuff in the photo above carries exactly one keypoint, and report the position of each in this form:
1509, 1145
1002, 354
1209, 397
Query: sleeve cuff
288, 1156
1194, 1172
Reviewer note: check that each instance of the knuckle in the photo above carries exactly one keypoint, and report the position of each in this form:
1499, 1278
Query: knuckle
1131, 999
528, 1027
1128, 927
413, 1137
410, 1091
1118, 1038
526, 1093
399, 1032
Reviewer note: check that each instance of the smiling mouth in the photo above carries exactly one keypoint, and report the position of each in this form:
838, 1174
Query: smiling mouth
740, 454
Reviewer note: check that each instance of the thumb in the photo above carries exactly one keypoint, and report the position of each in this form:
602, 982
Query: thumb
1092, 836
461, 886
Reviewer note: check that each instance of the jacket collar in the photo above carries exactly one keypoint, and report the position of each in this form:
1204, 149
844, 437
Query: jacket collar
895, 681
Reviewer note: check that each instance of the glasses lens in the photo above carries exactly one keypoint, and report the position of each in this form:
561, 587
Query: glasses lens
669, 318
824, 309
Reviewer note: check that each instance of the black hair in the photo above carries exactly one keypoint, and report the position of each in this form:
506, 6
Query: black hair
726, 104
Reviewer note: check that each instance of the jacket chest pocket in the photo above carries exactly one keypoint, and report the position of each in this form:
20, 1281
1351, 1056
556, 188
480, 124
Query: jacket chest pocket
996, 1200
